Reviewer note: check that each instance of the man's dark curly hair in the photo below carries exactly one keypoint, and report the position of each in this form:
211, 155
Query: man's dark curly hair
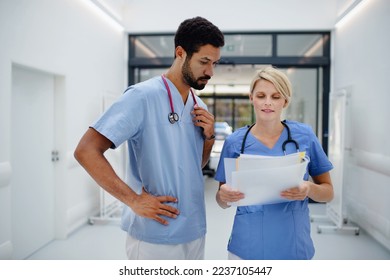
196, 32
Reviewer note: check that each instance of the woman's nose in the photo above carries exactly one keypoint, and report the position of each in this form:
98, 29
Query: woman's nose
268, 101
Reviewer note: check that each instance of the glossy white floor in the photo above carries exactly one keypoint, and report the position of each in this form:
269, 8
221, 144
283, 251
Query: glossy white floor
106, 240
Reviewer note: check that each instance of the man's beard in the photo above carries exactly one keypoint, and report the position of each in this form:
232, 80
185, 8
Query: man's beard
189, 77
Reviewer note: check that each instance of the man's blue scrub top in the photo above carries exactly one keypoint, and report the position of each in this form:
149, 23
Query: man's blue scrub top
165, 158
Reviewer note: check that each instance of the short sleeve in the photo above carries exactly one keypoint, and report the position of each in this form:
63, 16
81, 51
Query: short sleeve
123, 118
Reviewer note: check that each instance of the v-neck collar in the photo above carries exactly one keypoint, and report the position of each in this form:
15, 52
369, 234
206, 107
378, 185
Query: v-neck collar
277, 144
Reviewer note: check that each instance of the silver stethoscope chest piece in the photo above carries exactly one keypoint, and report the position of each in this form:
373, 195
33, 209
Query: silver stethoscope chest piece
173, 117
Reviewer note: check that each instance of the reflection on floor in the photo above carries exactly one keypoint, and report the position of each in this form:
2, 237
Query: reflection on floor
106, 241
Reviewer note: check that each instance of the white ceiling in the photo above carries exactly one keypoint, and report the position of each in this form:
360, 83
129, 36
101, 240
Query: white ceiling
139, 16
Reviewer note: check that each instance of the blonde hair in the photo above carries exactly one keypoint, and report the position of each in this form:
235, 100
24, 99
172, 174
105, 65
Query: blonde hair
277, 78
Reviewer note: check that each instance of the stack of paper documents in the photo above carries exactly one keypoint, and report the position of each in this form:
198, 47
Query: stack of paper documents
262, 178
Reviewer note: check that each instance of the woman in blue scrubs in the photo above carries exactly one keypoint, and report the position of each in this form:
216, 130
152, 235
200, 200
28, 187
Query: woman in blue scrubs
279, 230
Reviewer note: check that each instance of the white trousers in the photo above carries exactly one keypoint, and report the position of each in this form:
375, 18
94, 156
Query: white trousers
141, 250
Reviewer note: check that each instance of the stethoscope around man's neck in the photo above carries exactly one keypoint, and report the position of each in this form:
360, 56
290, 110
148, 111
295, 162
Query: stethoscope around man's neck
289, 139
173, 116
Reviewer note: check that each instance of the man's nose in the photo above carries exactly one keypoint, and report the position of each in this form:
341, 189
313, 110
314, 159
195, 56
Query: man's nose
209, 70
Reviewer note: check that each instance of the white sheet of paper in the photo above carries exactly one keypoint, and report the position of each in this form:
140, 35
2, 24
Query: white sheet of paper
230, 166
251, 162
263, 185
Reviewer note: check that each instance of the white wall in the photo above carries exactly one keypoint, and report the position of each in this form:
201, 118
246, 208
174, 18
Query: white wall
361, 66
67, 39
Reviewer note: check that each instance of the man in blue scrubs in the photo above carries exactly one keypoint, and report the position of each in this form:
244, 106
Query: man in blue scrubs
169, 134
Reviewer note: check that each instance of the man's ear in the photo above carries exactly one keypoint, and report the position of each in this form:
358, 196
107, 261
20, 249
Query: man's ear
180, 52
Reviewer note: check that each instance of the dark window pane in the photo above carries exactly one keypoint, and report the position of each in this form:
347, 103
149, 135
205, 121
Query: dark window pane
247, 45
154, 46
306, 45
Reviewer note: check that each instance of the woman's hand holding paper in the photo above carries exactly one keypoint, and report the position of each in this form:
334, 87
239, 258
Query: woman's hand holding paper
227, 195
297, 193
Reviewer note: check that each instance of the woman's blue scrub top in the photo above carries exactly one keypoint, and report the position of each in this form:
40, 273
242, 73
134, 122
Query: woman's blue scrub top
164, 158
278, 231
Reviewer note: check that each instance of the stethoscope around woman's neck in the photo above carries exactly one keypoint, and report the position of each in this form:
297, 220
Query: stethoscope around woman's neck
173, 116
289, 139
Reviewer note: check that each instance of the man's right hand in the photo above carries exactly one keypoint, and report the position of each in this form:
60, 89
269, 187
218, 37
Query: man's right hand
154, 207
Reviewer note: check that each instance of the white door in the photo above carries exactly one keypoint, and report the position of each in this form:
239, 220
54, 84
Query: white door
32, 137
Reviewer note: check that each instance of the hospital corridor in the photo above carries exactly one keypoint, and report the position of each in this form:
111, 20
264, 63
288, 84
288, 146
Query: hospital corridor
70, 68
